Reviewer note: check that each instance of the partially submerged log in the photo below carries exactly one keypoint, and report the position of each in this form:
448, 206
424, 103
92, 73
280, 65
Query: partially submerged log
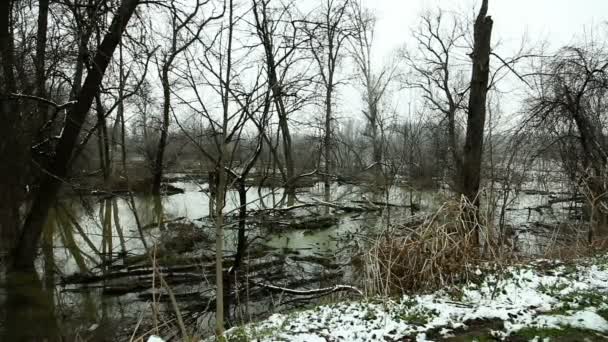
166, 189
320, 222
574, 199
386, 204
343, 207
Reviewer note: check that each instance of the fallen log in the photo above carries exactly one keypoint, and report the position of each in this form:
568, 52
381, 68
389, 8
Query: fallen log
576, 199
325, 290
343, 207
386, 204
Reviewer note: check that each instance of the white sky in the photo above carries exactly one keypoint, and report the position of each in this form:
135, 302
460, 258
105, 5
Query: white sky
555, 22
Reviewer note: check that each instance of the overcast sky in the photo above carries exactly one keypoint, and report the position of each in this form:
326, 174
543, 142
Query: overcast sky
555, 22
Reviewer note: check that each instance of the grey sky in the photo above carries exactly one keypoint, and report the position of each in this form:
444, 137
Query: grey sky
556, 22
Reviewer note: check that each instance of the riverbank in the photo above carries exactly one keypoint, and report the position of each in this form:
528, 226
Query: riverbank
562, 301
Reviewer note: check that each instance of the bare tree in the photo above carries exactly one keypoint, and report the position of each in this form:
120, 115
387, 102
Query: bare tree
185, 30
281, 40
569, 104
375, 83
436, 73
224, 72
327, 37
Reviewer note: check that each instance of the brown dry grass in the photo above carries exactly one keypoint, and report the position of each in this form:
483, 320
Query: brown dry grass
577, 248
444, 250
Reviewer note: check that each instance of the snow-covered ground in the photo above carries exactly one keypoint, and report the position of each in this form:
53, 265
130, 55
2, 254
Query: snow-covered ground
537, 301
542, 295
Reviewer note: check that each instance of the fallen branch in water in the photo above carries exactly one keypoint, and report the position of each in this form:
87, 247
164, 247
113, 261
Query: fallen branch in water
382, 204
343, 207
325, 290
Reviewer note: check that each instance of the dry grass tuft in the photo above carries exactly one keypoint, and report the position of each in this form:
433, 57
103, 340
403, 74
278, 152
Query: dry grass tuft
442, 251
575, 248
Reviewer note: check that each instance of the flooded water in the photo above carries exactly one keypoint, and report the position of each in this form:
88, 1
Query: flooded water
92, 236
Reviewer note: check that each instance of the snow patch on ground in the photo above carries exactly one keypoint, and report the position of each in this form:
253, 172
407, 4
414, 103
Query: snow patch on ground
545, 295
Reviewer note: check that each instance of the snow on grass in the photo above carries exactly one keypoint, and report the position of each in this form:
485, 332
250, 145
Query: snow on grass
543, 295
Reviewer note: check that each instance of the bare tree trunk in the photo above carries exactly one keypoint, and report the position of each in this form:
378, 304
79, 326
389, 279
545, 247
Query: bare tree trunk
123, 148
164, 132
473, 148
11, 191
376, 143
219, 245
241, 237
241, 244
327, 142
83, 52
290, 187
43, 12
326, 43
456, 157
121, 110
222, 188
105, 158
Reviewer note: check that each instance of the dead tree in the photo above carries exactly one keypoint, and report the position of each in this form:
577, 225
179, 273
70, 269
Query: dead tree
476, 115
